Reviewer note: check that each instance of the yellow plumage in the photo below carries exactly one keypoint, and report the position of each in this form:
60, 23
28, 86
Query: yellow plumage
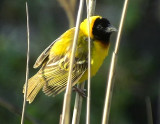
55, 60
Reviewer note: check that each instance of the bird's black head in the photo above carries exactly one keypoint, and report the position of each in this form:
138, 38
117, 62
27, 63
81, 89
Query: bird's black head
102, 29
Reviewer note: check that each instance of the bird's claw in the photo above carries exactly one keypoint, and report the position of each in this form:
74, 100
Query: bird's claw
81, 92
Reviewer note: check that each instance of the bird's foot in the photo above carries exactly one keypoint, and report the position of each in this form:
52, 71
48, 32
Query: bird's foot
81, 92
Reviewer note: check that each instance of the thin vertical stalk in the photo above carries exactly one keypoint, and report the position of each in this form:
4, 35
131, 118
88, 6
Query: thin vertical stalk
27, 66
149, 110
67, 97
77, 106
90, 10
106, 109
69, 7
89, 66
78, 100
120, 26
158, 105
91, 5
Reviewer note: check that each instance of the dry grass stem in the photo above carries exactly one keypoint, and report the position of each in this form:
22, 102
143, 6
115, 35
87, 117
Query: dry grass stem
78, 100
69, 7
88, 2
77, 106
27, 66
67, 96
91, 5
106, 109
90, 11
149, 110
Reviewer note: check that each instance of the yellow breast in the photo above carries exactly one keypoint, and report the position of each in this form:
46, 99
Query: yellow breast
99, 52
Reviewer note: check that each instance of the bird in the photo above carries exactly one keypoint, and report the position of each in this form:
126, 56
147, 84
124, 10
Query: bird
54, 61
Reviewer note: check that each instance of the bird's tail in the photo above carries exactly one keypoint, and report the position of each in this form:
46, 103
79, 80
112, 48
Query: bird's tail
35, 83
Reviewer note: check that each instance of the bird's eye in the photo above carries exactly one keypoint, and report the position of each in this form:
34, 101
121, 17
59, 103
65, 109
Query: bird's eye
99, 27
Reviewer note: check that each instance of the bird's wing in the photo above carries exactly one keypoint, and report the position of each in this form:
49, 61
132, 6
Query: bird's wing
43, 55
46, 53
56, 71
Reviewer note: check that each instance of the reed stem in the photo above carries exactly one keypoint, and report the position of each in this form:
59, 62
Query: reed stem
67, 97
27, 66
108, 95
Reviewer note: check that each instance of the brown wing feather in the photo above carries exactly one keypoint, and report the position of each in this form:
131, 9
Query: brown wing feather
56, 74
59, 87
43, 55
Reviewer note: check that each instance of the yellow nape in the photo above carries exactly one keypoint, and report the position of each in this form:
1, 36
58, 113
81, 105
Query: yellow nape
84, 25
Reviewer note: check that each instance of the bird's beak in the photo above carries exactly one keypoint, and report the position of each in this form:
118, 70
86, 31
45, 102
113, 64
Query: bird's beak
111, 29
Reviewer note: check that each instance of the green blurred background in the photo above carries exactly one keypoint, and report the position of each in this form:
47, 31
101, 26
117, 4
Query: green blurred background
137, 72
